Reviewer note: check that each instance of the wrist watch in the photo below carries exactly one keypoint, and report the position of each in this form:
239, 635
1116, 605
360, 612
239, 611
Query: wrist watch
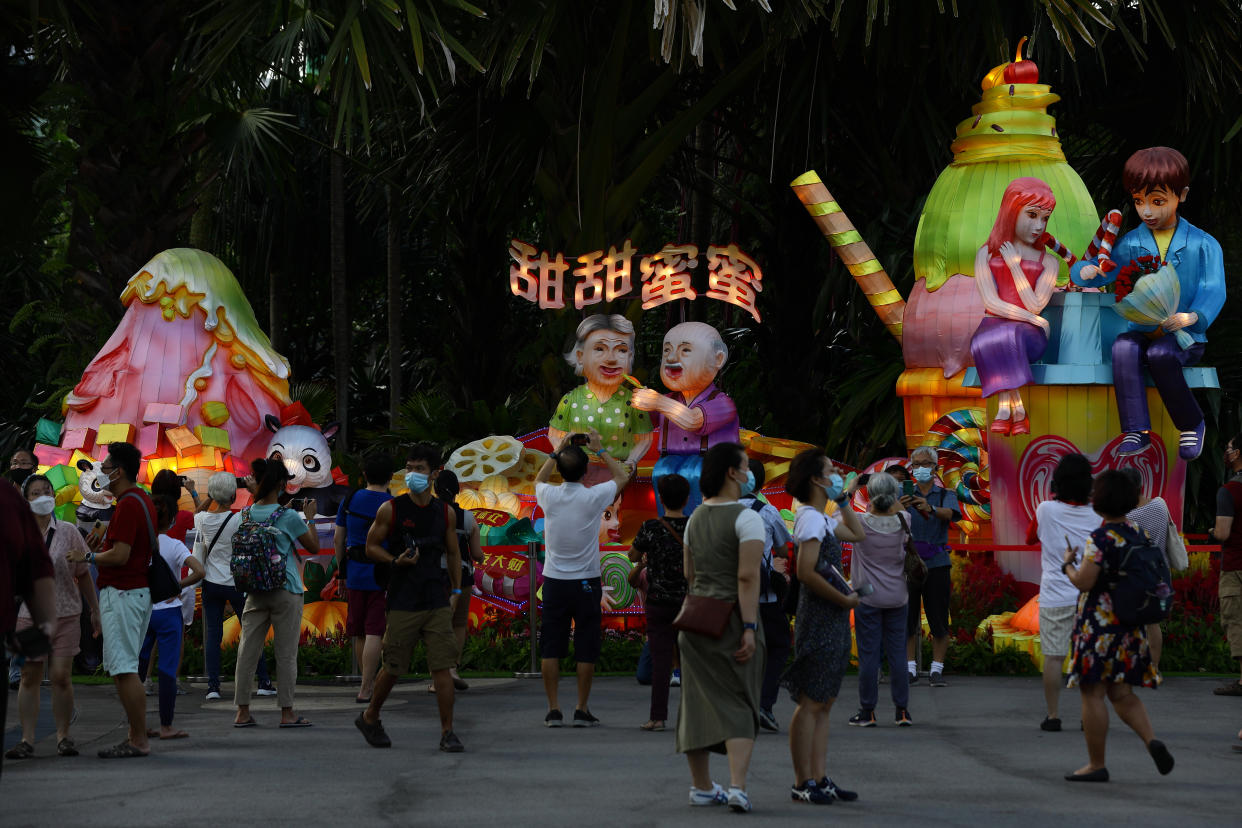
749, 625
1063, 565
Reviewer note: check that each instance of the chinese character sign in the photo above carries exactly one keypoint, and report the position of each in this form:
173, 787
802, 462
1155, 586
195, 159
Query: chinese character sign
666, 275
538, 276
734, 278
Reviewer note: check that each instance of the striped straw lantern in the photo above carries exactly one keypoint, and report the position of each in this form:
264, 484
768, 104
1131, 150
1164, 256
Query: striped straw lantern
852, 250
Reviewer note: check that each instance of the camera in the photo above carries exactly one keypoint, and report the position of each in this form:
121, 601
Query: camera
241, 482
578, 439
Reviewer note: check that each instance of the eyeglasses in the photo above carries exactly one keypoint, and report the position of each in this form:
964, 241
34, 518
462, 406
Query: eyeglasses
106, 469
925, 464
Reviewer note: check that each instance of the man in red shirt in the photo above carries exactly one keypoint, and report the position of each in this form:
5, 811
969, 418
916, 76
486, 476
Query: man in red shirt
26, 570
124, 597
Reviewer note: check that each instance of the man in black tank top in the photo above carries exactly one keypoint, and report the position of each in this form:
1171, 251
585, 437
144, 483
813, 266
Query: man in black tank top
421, 595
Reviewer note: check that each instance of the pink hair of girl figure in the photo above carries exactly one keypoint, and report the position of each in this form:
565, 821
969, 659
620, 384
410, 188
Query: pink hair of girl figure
1015, 275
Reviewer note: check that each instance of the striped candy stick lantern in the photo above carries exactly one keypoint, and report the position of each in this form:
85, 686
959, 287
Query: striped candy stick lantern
853, 251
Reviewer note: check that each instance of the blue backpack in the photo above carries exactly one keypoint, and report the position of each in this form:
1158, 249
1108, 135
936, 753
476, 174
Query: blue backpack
258, 562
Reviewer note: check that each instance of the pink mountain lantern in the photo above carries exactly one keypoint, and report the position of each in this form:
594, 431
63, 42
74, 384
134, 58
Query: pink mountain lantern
187, 361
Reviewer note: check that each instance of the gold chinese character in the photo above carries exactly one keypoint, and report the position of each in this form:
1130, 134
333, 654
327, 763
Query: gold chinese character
548, 287
733, 277
666, 275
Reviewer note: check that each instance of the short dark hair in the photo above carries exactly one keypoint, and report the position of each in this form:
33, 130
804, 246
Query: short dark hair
1114, 494
1156, 167
31, 479
674, 491
805, 466
127, 458
166, 482
377, 469
272, 478
760, 473
1071, 479
896, 470
716, 464
1135, 477
426, 452
447, 485
165, 510
571, 462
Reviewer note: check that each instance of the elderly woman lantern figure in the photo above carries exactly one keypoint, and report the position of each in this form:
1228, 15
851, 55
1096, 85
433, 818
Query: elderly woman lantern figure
1015, 276
603, 354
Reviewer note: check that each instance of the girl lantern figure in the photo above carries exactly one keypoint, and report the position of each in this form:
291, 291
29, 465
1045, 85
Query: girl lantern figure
1015, 276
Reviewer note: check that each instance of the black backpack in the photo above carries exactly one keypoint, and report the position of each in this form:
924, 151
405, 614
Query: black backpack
1141, 586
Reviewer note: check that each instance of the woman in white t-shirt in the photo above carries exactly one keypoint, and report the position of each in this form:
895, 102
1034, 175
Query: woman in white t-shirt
1065, 521
822, 634
165, 625
1152, 516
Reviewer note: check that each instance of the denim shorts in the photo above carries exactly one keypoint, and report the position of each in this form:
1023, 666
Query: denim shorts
124, 615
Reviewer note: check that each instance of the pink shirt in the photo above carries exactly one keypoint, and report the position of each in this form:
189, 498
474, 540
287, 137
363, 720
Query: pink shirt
68, 598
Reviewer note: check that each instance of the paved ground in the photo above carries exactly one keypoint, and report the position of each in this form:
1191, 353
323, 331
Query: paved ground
974, 757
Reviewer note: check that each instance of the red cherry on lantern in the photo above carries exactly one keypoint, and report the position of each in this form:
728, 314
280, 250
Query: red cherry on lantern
1021, 71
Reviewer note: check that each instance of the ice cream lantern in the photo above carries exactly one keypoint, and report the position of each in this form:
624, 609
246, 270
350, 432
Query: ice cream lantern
187, 376
1009, 135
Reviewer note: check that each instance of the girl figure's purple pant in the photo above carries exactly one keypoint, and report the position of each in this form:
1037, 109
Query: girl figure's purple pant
1164, 358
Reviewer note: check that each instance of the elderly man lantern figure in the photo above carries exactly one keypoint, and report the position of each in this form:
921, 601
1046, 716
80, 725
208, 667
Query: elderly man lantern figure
603, 354
695, 415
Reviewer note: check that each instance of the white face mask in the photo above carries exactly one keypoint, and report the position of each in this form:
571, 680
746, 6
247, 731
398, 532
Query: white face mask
44, 505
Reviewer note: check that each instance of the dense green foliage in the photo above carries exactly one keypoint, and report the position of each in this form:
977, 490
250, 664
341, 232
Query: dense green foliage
453, 127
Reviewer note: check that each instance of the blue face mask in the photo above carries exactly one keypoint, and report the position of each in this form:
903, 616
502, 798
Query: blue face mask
749, 486
835, 487
922, 474
417, 482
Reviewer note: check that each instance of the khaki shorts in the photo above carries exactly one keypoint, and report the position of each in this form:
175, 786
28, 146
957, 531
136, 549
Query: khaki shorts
1056, 626
405, 629
1231, 610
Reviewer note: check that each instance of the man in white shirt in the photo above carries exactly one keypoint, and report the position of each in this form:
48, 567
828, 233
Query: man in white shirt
571, 571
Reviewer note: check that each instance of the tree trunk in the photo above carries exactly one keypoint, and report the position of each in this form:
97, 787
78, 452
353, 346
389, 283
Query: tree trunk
395, 350
340, 296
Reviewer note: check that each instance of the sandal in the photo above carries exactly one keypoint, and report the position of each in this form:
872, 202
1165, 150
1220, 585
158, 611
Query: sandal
66, 747
21, 750
298, 722
122, 751
652, 726
248, 723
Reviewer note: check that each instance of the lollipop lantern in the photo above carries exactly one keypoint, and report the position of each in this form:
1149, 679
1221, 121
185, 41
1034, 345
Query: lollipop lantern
1021, 71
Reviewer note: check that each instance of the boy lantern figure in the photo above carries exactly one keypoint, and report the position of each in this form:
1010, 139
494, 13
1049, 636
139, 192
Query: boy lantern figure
1157, 180
695, 415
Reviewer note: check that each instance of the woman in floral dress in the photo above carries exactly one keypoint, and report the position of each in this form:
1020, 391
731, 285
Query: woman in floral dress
1109, 658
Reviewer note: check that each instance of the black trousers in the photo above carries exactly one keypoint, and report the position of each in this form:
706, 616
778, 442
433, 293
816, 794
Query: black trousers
776, 635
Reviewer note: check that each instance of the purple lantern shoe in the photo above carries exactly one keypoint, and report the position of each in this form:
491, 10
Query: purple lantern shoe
1191, 444
1133, 443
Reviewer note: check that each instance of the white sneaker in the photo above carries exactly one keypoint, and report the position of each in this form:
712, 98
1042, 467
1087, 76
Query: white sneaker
739, 802
716, 796
213, 695
675, 679
266, 691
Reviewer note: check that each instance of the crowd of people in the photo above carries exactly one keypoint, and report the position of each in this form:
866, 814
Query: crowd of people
717, 596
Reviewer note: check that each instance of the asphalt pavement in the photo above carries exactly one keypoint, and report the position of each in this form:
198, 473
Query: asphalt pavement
975, 756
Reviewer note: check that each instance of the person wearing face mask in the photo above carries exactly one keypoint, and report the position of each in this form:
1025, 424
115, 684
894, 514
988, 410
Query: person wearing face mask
721, 677
422, 595
74, 586
279, 610
122, 559
1229, 536
771, 603
822, 649
930, 510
